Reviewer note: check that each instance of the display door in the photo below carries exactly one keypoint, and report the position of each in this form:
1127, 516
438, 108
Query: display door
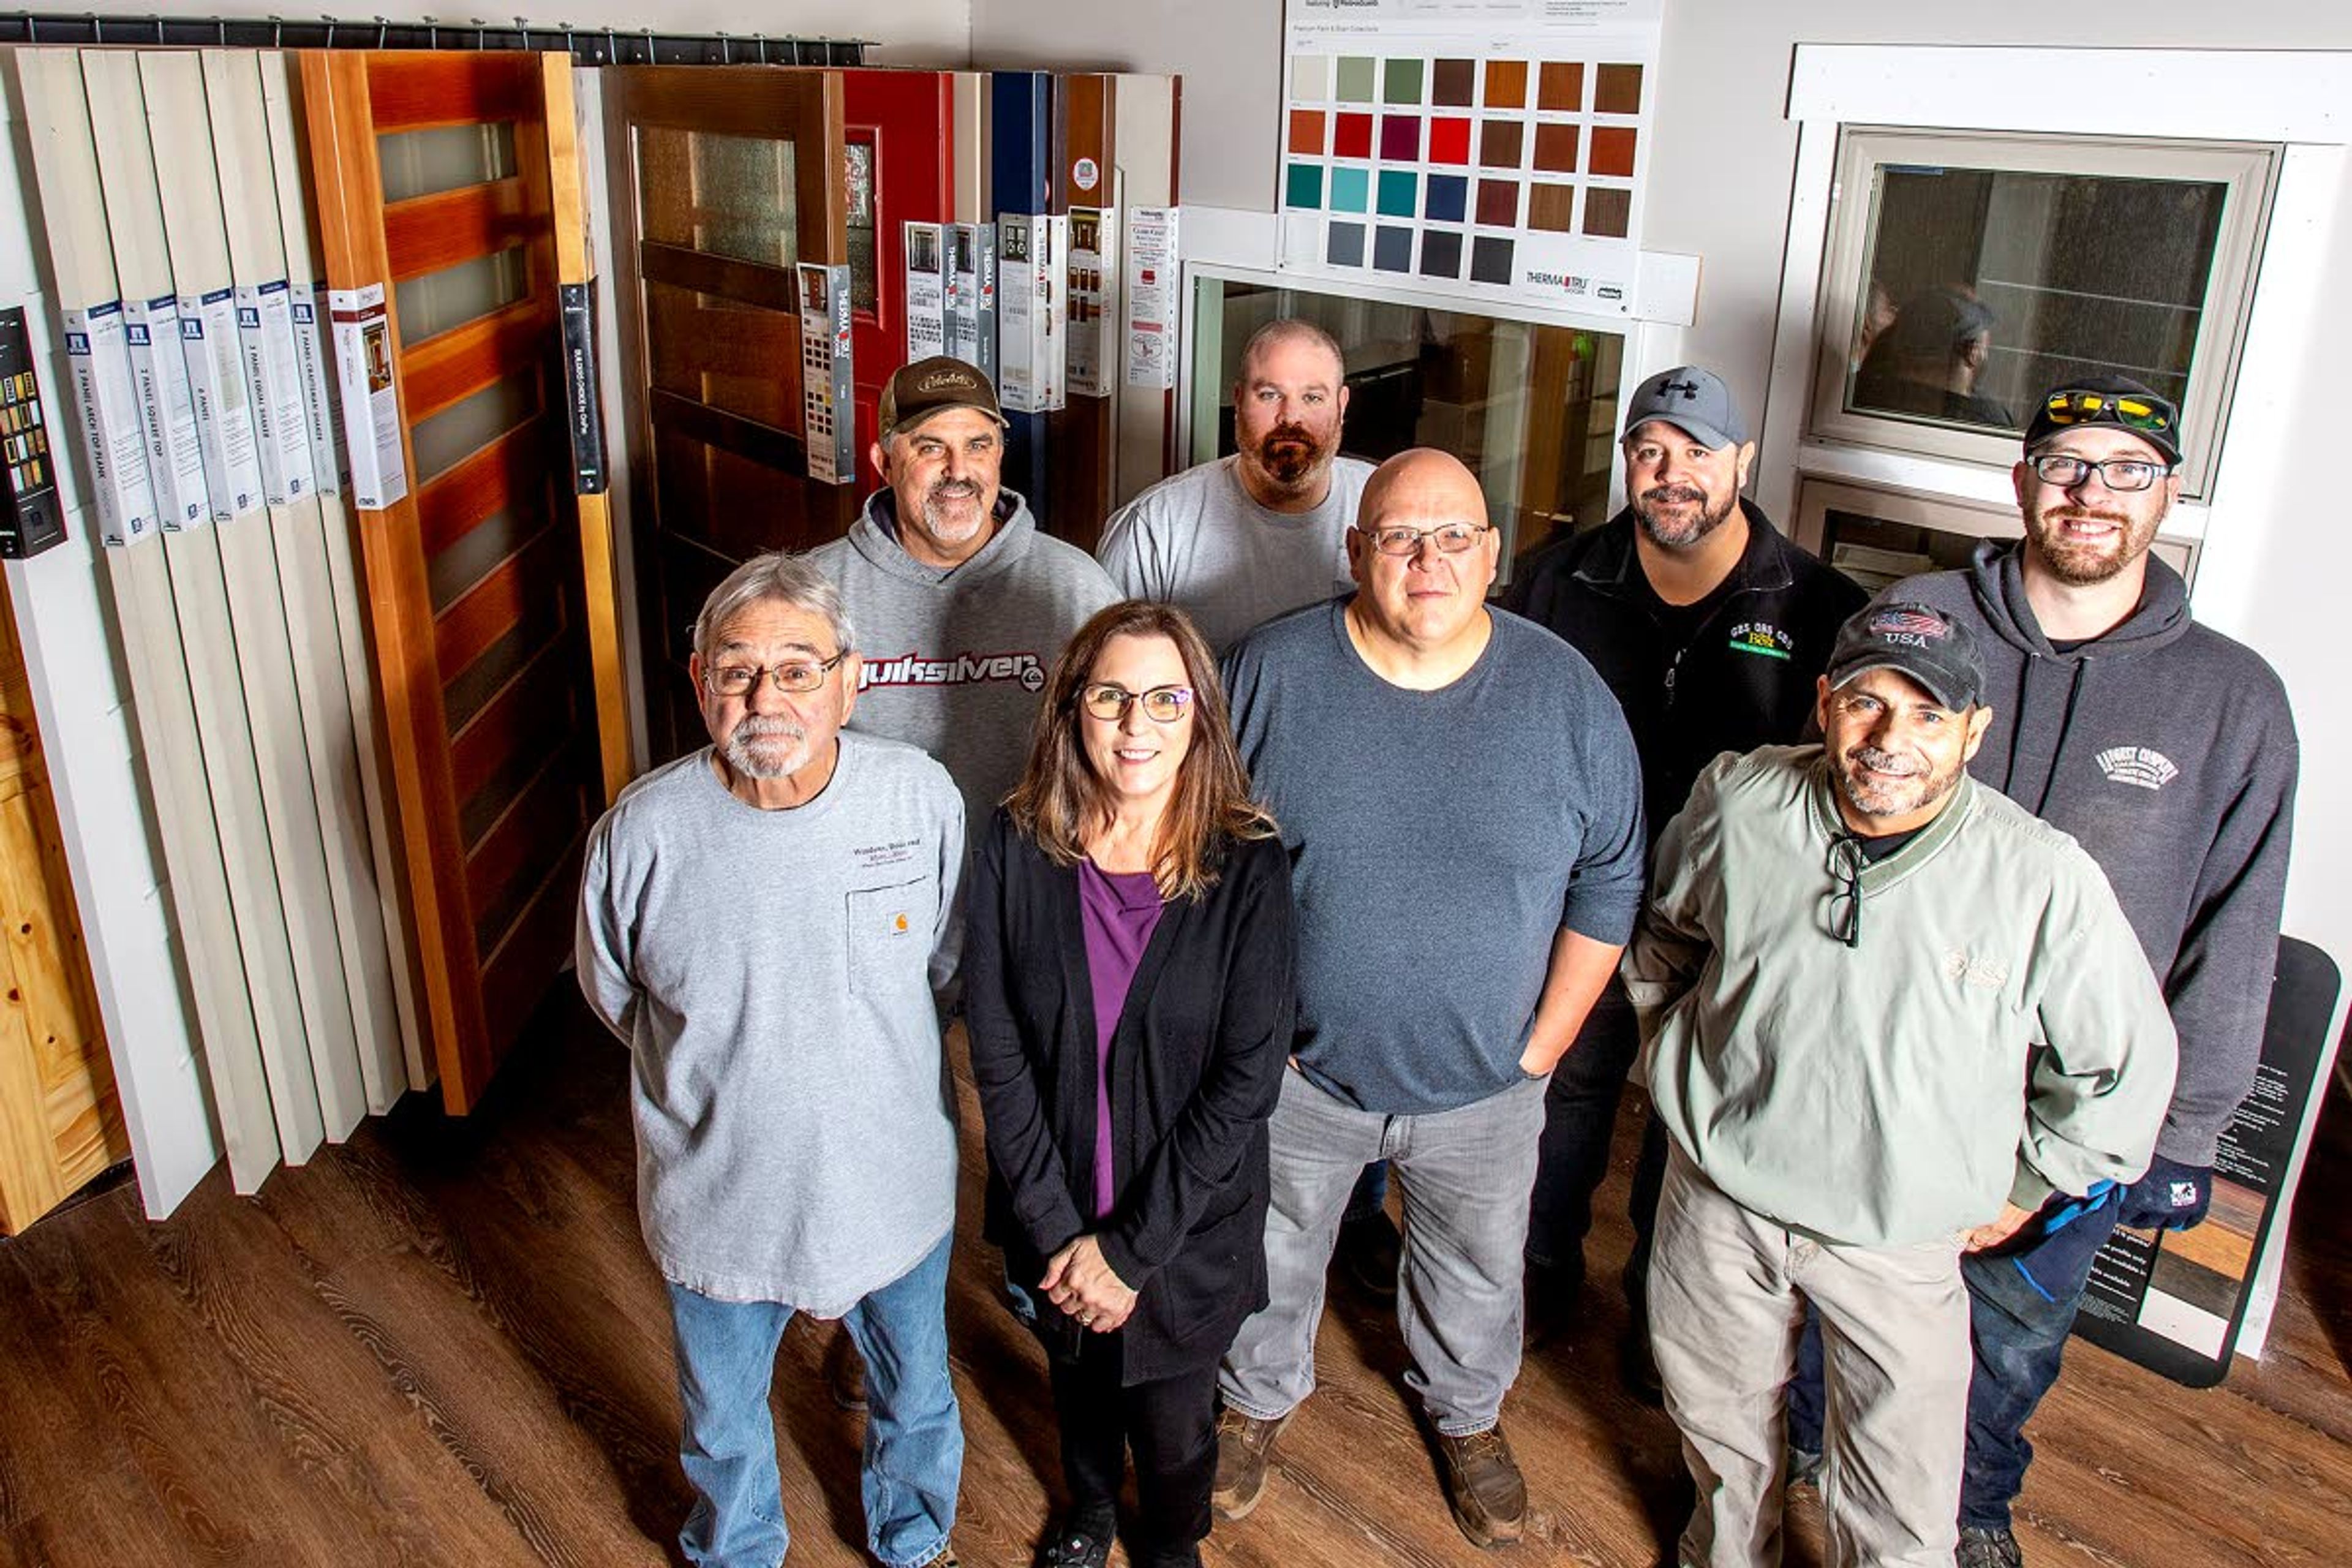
442, 180
899, 155
725, 178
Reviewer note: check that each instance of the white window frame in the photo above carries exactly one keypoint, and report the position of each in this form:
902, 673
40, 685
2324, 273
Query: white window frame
2245, 168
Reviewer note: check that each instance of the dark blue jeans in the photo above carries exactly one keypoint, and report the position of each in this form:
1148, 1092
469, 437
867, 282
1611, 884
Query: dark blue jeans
2020, 1308
1579, 1120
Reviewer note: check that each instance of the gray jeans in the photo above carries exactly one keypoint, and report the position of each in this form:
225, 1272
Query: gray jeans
1465, 1174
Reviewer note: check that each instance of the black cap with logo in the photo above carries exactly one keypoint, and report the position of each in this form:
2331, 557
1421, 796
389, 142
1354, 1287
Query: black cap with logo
1925, 644
930, 385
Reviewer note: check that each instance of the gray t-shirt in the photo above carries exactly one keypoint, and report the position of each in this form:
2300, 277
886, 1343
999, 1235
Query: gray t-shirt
1439, 841
773, 975
1198, 541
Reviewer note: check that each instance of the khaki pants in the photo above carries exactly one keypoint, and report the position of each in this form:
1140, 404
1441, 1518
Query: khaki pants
1726, 1294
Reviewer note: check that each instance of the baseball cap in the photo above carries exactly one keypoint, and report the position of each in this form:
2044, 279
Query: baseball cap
2108, 400
1911, 639
927, 386
1692, 400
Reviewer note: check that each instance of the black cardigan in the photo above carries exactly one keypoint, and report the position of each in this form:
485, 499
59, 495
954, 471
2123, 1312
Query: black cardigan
1195, 1067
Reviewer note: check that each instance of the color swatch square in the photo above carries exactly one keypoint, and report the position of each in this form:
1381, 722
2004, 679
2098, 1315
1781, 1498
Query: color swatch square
1612, 150
1401, 138
1311, 78
1400, 193
1608, 212
1552, 208
1352, 135
1451, 83
1555, 149
1502, 144
1617, 90
1490, 260
1448, 198
1306, 130
1351, 190
1356, 74
1561, 86
1392, 248
1303, 187
1441, 253
1401, 82
1345, 245
1507, 84
1449, 139
1498, 202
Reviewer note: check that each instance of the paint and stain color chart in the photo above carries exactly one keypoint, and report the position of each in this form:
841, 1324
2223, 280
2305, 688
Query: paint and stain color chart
1492, 149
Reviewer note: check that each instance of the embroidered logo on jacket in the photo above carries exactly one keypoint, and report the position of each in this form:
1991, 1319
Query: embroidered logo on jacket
964, 670
1761, 638
2138, 766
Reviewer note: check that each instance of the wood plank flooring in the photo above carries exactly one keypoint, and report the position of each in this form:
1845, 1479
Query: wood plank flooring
442, 1344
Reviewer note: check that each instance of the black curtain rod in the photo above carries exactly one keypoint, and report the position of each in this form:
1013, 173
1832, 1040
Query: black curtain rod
588, 46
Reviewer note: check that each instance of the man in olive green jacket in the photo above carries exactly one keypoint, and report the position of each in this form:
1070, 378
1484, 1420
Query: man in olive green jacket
1888, 1014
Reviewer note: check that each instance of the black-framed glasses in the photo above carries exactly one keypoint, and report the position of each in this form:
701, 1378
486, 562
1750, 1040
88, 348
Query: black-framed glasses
1846, 864
1451, 538
1108, 700
2120, 474
792, 675
2080, 406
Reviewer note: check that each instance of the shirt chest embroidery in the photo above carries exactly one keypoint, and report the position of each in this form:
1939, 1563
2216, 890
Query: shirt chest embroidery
1982, 973
2143, 766
1763, 639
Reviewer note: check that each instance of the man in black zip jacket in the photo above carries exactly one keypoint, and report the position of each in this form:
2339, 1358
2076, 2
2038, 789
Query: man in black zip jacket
2170, 753
1710, 628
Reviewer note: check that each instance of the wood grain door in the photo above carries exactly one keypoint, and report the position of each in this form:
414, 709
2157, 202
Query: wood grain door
725, 179
446, 178
898, 143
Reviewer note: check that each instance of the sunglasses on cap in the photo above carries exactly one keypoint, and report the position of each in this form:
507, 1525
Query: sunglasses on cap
2078, 405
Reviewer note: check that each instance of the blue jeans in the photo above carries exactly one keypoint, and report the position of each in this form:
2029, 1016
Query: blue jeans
1579, 1120
2022, 1305
914, 1434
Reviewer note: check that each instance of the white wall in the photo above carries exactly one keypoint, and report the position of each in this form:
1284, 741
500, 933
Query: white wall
1720, 188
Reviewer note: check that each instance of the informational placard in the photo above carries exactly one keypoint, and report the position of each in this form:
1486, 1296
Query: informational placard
30, 517
167, 412
208, 340
318, 411
828, 407
972, 295
2176, 1300
363, 328
1152, 299
108, 411
273, 380
584, 409
1092, 357
1490, 150
927, 291
1033, 306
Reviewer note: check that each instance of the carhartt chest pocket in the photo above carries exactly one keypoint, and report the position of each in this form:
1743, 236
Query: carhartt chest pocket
890, 935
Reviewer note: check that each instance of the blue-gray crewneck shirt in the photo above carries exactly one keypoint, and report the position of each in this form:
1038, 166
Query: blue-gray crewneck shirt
1439, 841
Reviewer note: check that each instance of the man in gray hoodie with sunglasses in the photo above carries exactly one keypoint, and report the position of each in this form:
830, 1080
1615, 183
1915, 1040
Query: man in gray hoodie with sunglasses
2169, 752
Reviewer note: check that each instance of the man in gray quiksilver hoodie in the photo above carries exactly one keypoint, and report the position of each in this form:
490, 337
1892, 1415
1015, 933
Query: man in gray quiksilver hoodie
2167, 750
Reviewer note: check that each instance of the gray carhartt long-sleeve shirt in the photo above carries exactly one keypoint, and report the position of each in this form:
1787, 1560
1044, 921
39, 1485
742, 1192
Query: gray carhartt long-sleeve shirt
774, 973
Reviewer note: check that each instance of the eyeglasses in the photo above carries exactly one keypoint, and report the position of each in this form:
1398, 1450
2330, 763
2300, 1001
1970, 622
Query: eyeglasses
1846, 864
792, 675
2077, 406
1109, 701
2120, 474
1451, 538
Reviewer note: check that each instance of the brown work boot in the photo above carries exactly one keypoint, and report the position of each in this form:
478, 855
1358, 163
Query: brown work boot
1484, 1487
844, 1371
1245, 1447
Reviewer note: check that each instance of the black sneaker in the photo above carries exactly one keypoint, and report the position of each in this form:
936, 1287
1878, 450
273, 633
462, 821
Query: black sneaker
1370, 1250
1076, 1544
1982, 1548
844, 1371
1638, 1369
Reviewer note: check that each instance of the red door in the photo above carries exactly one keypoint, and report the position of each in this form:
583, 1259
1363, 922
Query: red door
898, 149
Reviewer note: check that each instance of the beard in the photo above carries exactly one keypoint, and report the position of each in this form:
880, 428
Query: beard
766, 748
1292, 455
1649, 510
946, 525
1919, 786
2082, 564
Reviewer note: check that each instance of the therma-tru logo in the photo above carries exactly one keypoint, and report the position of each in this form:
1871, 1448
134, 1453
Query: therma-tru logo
1026, 670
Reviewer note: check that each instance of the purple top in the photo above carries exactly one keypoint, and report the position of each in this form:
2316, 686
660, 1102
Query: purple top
1120, 910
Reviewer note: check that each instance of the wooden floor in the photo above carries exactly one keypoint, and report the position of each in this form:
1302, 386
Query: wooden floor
443, 1345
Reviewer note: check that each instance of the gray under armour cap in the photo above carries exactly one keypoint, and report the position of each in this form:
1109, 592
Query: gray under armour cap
1694, 401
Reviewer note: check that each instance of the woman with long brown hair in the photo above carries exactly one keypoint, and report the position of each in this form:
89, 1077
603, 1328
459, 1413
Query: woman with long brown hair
1129, 994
